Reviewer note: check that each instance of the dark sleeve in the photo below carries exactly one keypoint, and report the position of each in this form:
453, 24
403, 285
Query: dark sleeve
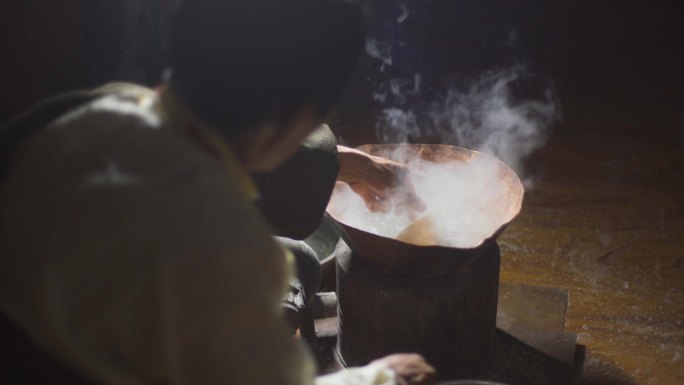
294, 196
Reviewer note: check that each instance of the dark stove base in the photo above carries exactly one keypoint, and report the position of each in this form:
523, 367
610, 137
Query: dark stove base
450, 319
514, 363
519, 358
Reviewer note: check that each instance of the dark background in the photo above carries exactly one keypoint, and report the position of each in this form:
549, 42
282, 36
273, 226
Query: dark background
609, 48
604, 51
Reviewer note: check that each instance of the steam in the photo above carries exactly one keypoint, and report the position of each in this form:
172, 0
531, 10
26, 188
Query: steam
404, 14
507, 114
466, 201
462, 206
399, 125
380, 51
485, 115
395, 90
488, 117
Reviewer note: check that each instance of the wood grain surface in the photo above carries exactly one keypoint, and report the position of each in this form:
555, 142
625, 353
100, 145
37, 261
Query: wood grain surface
605, 220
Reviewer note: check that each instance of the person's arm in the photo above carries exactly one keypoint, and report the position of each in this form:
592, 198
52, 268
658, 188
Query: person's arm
379, 181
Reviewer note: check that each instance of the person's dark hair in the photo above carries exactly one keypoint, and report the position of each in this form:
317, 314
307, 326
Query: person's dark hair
238, 63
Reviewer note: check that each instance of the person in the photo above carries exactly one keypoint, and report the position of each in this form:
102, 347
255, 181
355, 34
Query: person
131, 250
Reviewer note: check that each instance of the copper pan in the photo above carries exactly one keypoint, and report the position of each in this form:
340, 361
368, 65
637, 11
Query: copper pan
399, 257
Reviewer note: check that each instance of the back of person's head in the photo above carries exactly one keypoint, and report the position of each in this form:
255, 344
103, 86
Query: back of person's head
239, 63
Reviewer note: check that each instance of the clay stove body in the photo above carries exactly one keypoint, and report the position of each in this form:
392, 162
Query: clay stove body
437, 301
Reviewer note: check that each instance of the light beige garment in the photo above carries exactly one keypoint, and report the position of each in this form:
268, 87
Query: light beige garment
133, 257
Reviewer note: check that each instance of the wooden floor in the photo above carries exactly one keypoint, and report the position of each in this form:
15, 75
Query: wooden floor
605, 220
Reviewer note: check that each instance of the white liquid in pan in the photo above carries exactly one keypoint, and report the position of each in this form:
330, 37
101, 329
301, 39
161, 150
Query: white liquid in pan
463, 202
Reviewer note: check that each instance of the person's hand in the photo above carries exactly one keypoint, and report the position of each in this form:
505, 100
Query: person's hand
410, 369
379, 181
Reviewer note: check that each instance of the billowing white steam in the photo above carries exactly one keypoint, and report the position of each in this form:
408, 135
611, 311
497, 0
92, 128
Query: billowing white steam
489, 118
462, 201
485, 116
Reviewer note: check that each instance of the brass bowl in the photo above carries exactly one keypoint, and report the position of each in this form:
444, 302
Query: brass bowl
399, 257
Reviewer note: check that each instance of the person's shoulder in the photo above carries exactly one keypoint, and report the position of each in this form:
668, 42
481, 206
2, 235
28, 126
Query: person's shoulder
115, 157
116, 106
122, 129
111, 170
117, 151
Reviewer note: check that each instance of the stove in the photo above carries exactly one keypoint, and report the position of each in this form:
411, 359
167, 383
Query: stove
438, 301
449, 318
